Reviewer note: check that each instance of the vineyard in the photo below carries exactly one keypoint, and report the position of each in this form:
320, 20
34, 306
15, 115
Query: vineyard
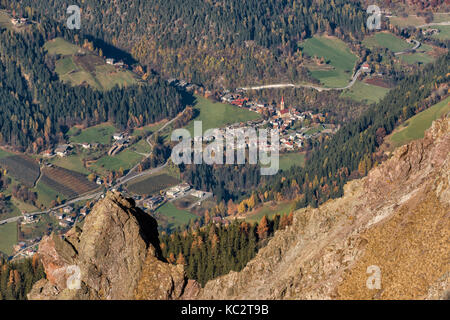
67, 182
21, 168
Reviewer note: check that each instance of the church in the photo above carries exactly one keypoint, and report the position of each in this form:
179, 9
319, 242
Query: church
283, 112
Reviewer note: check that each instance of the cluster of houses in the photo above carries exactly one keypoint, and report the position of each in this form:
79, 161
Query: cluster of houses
430, 31
67, 216
175, 192
280, 118
27, 248
178, 191
18, 22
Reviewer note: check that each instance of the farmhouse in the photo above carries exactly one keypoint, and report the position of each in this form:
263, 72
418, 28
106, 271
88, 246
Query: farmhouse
62, 150
18, 21
198, 193
153, 202
67, 209
86, 145
430, 32
366, 68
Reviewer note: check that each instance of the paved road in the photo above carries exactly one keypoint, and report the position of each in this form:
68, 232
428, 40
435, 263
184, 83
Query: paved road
446, 23
131, 175
309, 86
416, 46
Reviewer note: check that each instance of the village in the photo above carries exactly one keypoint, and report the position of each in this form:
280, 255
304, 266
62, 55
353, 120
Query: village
287, 121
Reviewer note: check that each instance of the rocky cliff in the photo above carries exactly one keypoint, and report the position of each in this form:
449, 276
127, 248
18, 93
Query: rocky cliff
395, 221
115, 256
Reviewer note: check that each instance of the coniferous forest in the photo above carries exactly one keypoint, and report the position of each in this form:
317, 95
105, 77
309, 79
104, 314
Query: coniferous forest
215, 43
37, 108
17, 278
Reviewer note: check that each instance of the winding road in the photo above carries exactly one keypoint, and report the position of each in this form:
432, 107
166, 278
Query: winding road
320, 89
131, 175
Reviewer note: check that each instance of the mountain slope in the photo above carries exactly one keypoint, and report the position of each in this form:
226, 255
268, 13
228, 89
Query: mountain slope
117, 255
396, 218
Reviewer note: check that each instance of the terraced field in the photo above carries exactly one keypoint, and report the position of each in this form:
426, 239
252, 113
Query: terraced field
21, 168
69, 183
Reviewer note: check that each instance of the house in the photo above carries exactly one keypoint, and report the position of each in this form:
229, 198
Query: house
86, 145
62, 150
48, 154
29, 218
110, 61
64, 224
172, 193
67, 209
184, 187
430, 32
153, 202
198, 193
84, 211
366, 68
118, 136
99, 181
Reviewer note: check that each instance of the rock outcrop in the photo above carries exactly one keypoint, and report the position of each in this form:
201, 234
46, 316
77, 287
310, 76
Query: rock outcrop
115, 256
396, 219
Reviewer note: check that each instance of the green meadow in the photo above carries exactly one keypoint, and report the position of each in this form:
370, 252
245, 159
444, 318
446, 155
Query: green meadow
337, 55
364, 92
415, 127
218, 115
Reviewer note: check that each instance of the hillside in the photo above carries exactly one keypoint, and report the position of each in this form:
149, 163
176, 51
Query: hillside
216, 43
396, 218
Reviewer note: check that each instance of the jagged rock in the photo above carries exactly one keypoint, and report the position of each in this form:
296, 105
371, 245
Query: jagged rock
117, 254
396, 218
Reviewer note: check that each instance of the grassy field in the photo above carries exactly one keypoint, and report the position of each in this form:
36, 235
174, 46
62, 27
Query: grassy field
8, 237
338, 56
153, 184
365, 92
408, 21
60, 46
125, 160
73, 162
444, 34
5, 20
176, 217
421, 55
88, 68
387, 40
101, 133
288, 160
218, 115
21, 168
4, 154
415, 127
46, 194
270, 211
22, 206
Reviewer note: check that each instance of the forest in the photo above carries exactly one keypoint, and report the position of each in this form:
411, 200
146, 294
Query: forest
17, 278
218, 43
36, 108
211, 250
